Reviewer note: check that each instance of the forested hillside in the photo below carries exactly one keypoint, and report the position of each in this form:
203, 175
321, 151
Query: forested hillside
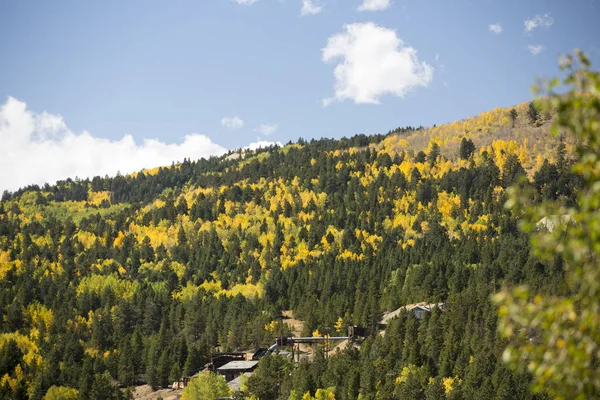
139, 278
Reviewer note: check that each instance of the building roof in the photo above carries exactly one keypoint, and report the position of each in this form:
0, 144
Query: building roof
423, 306
238, 365
260, 353
236, 384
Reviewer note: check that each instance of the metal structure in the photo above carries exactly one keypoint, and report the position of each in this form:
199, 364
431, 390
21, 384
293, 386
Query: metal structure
354, 332
296, 341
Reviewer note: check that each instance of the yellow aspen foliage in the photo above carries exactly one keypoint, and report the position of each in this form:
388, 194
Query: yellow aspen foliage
178, 268
87, 239
96, 198
7, 266
154, 171
5, 262
523, 152
27, 346
423, 168
271, 326
268, 237
446, 203
34, 334
302, 251
38, 315
248, 290
61, 393
230, 206
408, 242
406, 371
406, 167
97, 284
187, 293
118, 242
320, 394
149, 267
287, 262
373, 241
10, 382
451, 383
501, 150
160, 234
539, 161
107, 266
211, 286
402, 144
158, 203
481, 224
305, 217
42, 241
54, 270
18, 372
348, 255
92, 352
442, 167
366, 180
77, 326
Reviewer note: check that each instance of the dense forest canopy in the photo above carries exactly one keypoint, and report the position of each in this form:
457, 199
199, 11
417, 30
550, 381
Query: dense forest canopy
131, 279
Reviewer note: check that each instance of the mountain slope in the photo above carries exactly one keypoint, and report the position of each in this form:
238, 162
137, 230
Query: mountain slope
140, 277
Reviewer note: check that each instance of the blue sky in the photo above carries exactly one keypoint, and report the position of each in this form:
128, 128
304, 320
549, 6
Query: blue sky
162, 70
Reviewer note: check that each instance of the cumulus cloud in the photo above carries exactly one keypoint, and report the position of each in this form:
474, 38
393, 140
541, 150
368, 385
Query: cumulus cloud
374, 5
541, 21
535, 49
246, 2
310, 8
267, 129
374, 62
259, 144
233, 122
495, 28
39, 147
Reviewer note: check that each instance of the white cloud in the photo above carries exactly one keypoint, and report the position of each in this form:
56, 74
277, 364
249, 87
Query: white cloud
541, 21
233, 122
535, 49
246, 2
267, 129
374, 62
39, 147
309, 8
259, 144
374, 5
495, 28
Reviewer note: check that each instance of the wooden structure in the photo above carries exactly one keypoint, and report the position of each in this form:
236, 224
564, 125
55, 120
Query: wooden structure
219, 359
233, 369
